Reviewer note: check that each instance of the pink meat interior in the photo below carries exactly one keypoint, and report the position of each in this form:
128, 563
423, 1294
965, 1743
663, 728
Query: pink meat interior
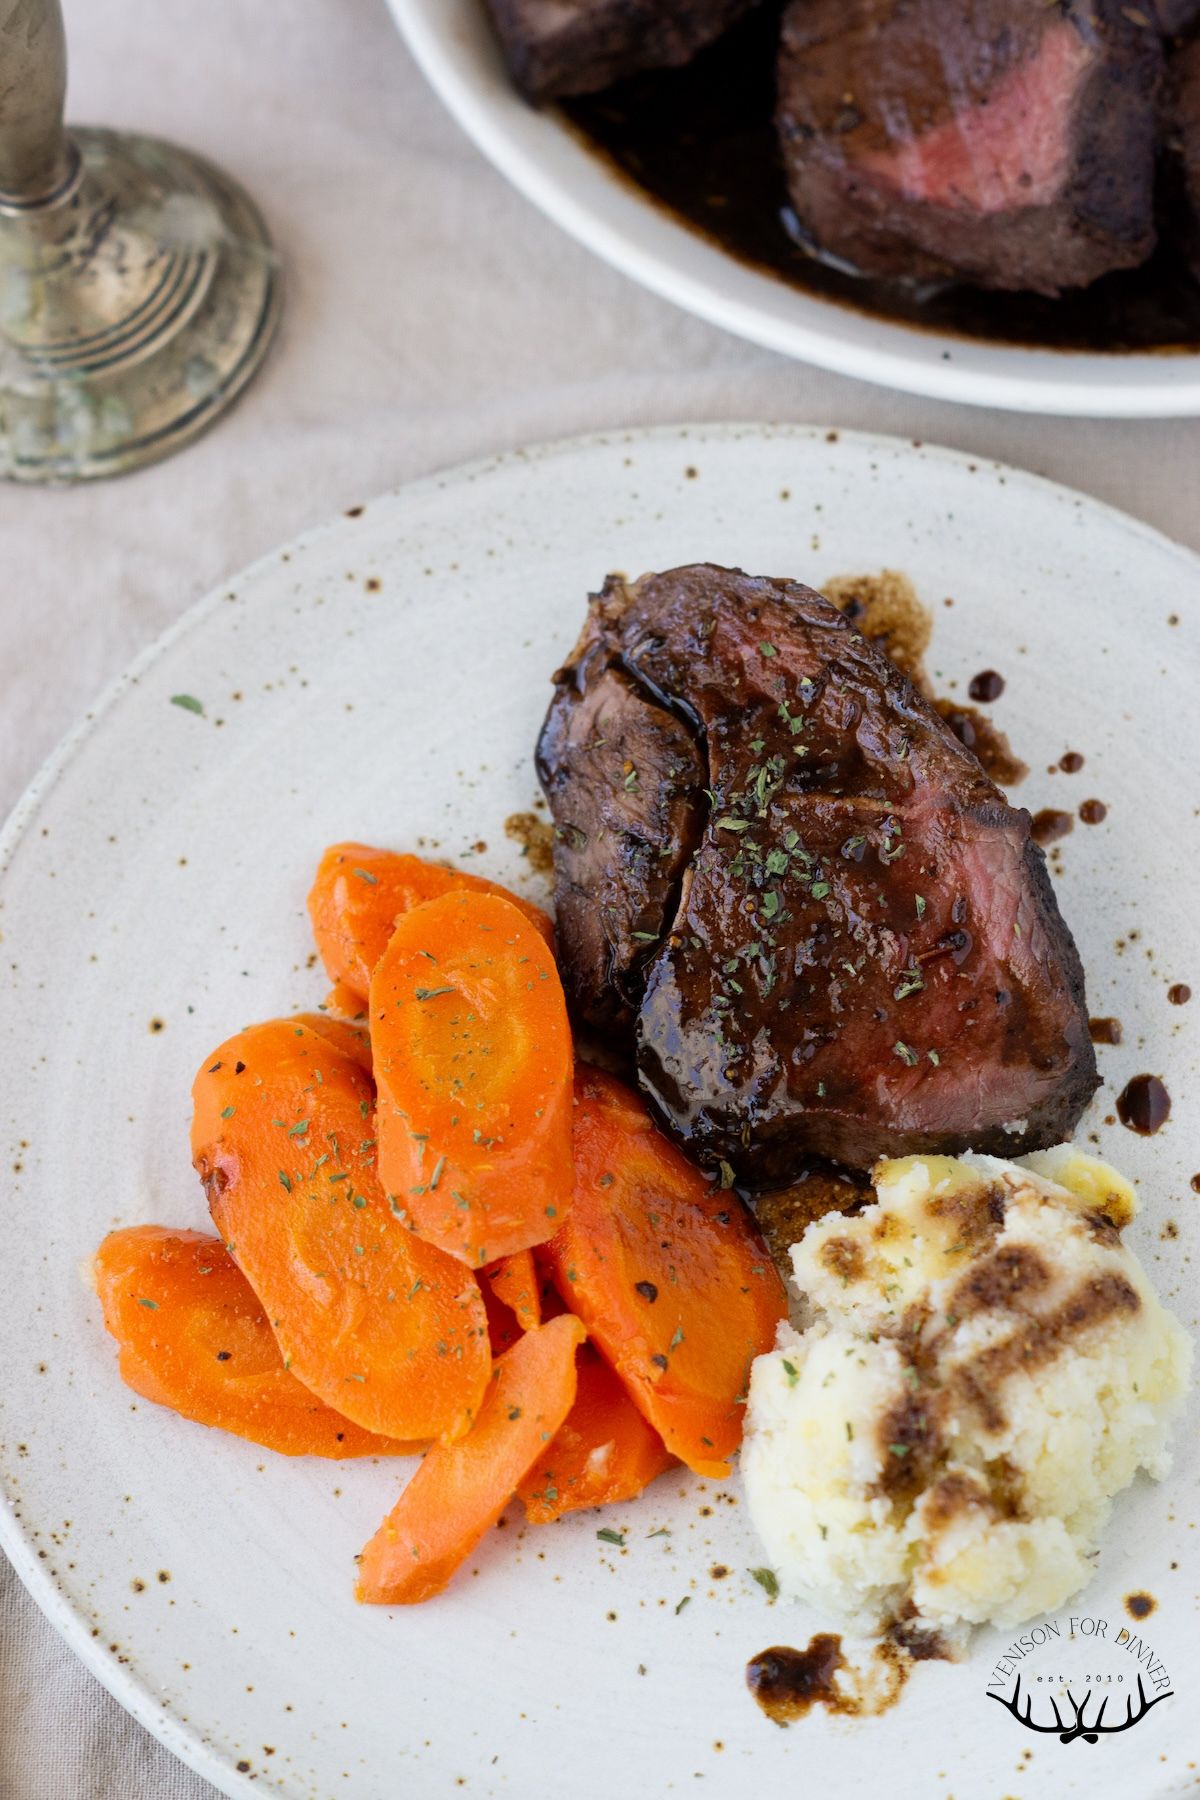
1007, 152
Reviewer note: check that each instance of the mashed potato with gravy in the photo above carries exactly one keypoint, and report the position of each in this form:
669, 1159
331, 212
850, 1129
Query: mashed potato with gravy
984, 1366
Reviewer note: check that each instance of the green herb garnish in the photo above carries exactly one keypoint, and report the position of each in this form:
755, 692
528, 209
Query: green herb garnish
767, 1580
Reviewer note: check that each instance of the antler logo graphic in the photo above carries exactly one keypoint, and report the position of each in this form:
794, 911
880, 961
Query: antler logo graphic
1090, 1734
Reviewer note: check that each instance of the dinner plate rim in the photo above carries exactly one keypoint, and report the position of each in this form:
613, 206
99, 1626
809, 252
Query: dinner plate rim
131, 1691
551, 168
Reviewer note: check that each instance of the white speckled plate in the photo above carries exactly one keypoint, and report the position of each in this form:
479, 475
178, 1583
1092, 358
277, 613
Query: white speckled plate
383, 678
555, 169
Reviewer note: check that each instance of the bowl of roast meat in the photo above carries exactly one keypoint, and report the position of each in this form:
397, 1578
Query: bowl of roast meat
995, 202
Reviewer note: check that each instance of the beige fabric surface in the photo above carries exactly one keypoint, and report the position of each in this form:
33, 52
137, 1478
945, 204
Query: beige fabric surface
432, 315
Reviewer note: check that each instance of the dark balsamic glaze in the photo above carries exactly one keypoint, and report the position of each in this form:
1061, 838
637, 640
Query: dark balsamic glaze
788, 1683
989, 743
1093, 812
1144, 1105
1070, 762
1179, 994
1049, 825
987, 685
920, 1642
1105, 1031
700, 141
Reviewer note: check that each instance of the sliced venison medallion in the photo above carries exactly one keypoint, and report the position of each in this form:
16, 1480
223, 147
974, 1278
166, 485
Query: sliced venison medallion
559, 47
838, 937
1183, 149
1174, 16
1009, 143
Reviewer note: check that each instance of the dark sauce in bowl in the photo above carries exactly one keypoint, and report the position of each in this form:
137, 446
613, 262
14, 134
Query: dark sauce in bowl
701, 142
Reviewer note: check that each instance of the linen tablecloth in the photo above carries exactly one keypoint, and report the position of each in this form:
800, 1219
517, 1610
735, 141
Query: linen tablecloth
432, 315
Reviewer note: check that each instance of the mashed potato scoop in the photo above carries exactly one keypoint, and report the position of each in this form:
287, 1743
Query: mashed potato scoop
984, 1365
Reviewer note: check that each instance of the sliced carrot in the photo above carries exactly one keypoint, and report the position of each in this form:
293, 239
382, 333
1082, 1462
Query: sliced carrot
666, 1272
473, 1058
193, 1337
382, 1326
604, 1451
343, 1003
504, 1328
515, 1280
460, 1490
351, 1039
549, 1303
360, 892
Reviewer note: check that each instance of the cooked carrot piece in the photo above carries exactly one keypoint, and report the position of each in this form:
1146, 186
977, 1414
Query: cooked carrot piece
515, 1280
350, 1039
382, 1326
193, 1337
473, 1059
341, 1002
504, 1328
667, 1274
504, 1325
460, 1490
604, 1451
360, 892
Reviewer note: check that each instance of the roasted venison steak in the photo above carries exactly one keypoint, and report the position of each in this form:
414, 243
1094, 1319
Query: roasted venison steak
558, 47
1175, 16
1009, 143
838, 937
1183, 143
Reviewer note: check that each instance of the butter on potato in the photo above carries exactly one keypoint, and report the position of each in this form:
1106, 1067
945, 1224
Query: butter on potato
984, 1365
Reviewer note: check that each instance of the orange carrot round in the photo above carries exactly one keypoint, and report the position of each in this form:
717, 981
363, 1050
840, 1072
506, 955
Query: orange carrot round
382, 1326
461, 1489
360, 892
667, 1274
193, 1337
473, 1059
603, 1453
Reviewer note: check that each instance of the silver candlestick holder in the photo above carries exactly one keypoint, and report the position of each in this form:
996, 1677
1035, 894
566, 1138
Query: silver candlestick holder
138, 288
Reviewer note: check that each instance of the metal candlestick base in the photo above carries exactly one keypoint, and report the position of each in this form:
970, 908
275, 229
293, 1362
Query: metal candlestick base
138, 289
